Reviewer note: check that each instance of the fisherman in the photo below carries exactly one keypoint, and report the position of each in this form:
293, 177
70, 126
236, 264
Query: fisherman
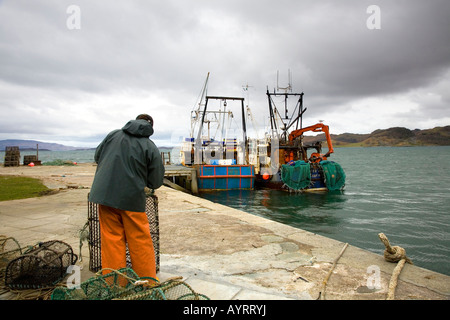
128, 161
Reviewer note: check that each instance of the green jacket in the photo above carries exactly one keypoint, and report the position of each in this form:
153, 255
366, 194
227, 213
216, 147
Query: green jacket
128, 161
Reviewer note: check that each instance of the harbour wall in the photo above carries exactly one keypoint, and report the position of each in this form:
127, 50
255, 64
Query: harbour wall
222, 252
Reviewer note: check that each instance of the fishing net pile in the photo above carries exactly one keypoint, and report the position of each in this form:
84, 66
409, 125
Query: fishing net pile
297, 175
334, 175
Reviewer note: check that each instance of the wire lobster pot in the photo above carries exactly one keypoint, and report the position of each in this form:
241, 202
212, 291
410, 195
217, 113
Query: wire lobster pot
9, 250
94, 241
125, 284
43, 266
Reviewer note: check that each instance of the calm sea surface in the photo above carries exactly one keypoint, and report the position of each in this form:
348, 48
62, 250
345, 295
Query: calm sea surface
402, 192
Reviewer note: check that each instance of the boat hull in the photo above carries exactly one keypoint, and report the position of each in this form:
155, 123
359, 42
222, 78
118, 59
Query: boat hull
225, 177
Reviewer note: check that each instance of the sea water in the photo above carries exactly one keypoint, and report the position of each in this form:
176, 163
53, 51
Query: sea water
403, 192
80, 156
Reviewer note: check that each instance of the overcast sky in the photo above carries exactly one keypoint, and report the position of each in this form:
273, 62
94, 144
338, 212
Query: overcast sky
72, 74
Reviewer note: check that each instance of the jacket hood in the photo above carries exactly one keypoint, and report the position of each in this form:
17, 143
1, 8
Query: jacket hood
140, 128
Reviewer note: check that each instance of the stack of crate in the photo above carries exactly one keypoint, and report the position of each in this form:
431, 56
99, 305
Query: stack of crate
29, 159
12, 157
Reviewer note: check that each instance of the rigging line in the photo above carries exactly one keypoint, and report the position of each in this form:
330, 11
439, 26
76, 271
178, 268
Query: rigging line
292, 117
230, 117
250, 115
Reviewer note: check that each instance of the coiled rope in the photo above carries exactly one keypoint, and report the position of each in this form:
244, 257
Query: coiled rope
394, 254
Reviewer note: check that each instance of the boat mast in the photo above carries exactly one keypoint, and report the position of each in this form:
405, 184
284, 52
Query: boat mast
196, 113
286, 122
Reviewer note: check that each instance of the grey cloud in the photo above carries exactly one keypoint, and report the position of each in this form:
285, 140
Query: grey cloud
165, 49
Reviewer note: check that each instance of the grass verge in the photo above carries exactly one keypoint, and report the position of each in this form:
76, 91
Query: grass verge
17, 187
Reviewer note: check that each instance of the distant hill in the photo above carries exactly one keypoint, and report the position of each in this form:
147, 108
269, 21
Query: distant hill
393, 137
31, 145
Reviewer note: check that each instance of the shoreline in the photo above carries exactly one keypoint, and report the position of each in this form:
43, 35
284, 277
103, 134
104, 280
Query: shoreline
221, 252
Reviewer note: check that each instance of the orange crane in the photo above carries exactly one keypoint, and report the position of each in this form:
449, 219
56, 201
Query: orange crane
319, 127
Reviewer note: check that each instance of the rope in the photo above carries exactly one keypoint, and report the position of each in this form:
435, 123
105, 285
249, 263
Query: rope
394, 254
161, 290
83, 235
27, 294
171, 283
325, 281
136, 282
33, 294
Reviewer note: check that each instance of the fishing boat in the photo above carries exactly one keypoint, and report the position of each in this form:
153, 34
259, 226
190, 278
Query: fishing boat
282, 159
218, 151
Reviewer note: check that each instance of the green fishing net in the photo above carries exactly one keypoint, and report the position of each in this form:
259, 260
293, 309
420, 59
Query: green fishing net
297, 176
334, 175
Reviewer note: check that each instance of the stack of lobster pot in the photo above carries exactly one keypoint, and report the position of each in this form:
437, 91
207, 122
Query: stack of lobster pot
12, 157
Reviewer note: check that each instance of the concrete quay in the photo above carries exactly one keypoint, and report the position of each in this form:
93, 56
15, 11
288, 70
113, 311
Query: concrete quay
223, 253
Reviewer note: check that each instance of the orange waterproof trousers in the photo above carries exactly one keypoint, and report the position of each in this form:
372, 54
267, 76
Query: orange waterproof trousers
119, 227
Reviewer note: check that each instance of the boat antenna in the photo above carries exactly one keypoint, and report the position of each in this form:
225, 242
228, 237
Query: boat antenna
245, 88
289, 86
